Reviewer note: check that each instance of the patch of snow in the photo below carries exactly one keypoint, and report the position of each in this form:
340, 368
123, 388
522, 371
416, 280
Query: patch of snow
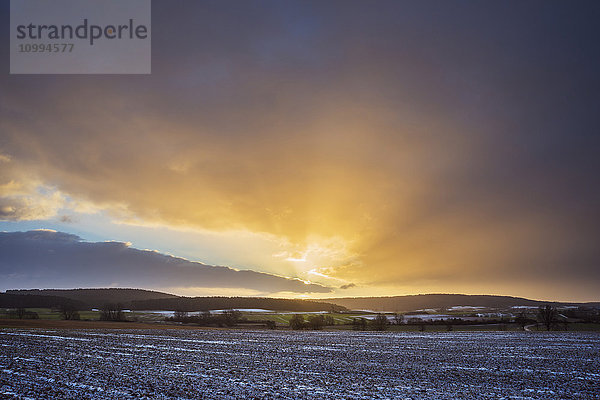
465, 308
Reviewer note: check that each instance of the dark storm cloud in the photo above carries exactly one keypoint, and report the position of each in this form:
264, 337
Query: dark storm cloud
56, 259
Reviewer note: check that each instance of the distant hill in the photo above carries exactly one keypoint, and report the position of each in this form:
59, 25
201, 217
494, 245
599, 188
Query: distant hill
221, 303
95, 298
139, 299
424, 301
38, 301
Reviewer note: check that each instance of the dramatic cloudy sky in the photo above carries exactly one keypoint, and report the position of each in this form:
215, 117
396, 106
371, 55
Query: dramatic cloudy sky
363, 148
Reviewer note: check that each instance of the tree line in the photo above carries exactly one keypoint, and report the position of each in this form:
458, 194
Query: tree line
227, 318
191, 304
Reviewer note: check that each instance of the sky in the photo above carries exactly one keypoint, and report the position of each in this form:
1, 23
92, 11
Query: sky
315, 149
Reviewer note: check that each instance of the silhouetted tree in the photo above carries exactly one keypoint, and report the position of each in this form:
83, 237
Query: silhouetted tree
21, 312
69, 312
297, 321
380, 322
521, 320
398, 319
359, 324
180, 315
316, 322
329, 321
112, 312
231, 317
270, 324
548, 316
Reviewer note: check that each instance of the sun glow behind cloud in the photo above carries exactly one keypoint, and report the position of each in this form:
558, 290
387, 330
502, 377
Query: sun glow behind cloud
352, 148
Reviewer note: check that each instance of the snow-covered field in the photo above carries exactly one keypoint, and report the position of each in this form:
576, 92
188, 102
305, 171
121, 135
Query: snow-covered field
235, 364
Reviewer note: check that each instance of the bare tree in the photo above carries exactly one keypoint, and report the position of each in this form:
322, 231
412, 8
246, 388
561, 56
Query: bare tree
270, 324
17, 313
521, 320
297, 321
231, 317
180, 315
398, 319
359, 324
316, 322
548, 316
20, 312
329, 321
380, 322
69, 312
112, 312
